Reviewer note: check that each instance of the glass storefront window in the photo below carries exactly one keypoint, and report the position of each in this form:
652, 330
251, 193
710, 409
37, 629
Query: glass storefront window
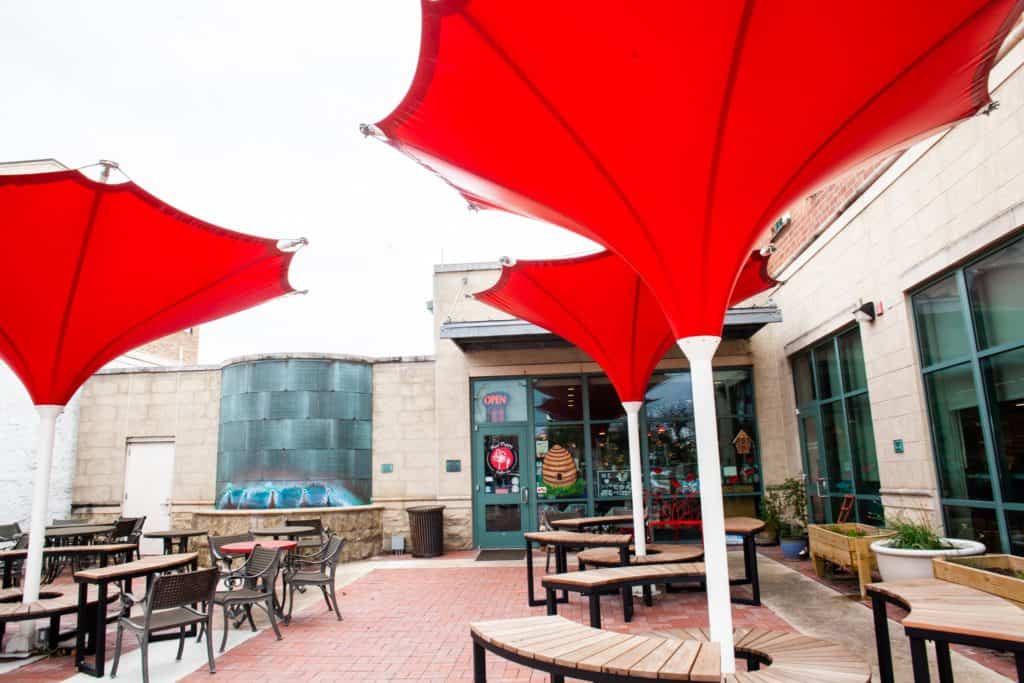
557, 400
669, 395
940, 322
609, 450
975, 523
851, 356
604, 403
672, 454
1015, 523
803, 378
862, 443
561, 467
500, 400
826, 369
738, 456
1004, 379
957, 433
994, 287
734, 393
838, 458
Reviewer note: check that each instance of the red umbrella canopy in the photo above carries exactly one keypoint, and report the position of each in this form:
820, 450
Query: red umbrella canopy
93, 270
601, 305
674, 132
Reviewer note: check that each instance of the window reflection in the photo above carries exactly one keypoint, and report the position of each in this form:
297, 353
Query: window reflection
956, 425
604, 400
940, 322
557, 400
994, 285
498, 401
1004, 377
609, 449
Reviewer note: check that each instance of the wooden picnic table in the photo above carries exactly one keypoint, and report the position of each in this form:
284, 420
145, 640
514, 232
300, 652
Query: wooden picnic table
289, 532
657, 553
101, 578
561, 541
59, 554
945, 613
582, 523
170, 535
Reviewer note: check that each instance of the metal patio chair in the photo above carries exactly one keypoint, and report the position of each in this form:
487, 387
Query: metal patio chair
315, 570
251, 584
215, 543
313, 542
168, 605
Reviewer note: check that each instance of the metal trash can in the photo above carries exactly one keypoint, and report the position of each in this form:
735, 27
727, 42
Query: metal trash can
426, 526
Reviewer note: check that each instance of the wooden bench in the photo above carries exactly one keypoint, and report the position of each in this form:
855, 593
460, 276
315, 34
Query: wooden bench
53, 603
561, 541
945, 613
594, 583
786, 656
565, 648
657, 553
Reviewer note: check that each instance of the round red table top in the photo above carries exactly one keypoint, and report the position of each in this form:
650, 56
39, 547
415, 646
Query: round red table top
245, 547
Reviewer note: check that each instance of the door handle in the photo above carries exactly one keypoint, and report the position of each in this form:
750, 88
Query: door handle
524, 494
822, 486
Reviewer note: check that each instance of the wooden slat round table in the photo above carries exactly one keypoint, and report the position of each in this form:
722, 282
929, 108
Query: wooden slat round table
657, 553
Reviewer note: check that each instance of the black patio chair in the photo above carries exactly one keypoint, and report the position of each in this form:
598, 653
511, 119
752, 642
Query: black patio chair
251, 584
168, 605
135, 537
545, 525
313, 542
315, 570
21, 543
215, 543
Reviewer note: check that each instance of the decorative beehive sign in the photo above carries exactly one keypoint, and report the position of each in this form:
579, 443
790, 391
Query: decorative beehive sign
743, 443
559, 467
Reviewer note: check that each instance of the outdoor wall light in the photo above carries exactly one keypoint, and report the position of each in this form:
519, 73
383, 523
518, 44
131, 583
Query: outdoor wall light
865, 313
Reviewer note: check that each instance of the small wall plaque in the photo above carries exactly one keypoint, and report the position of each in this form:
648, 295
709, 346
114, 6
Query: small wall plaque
897, 445
452, 465
386, 468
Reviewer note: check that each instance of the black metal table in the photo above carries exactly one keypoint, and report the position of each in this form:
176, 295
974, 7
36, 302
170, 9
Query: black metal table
289, 532
56, 558
102, 577
561, 541
170, 535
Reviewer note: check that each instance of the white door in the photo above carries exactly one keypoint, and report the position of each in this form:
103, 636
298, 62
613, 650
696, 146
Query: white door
147, 488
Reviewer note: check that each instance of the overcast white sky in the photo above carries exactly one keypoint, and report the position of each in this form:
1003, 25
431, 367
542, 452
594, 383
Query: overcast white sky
246, 114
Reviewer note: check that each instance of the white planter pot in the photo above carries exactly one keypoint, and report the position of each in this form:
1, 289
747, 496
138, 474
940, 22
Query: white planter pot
896, 564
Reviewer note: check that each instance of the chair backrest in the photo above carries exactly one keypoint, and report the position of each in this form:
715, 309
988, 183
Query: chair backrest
215, 543
332, 553
178, 590
9, 532
123, 528
263, 563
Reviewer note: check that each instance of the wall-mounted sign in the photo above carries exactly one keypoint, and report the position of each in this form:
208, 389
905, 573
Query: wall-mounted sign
613, 483
502, 458
897, 445
452, 465
386, 468
495, 405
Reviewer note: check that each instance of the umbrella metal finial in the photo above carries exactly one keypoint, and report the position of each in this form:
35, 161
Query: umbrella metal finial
370, 130
292, 245
989, 108
107, 165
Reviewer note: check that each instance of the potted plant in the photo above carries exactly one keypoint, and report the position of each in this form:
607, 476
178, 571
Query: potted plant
792, 503
771, 513
908, 554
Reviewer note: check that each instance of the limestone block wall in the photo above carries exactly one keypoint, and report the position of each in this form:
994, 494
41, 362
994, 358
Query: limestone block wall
359, 525
945, 200
181, 404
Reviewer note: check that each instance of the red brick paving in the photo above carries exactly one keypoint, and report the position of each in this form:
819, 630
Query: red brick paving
412, 624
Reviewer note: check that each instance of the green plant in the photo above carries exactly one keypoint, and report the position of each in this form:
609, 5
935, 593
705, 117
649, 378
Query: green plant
789, 502
915, 535
855, 533
771, 510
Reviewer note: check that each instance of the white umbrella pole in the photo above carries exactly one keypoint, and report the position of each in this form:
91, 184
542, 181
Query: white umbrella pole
636, 476
699, 351
40, 499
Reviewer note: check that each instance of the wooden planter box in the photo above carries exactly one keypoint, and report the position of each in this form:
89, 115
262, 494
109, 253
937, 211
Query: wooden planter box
829, 542
971, 571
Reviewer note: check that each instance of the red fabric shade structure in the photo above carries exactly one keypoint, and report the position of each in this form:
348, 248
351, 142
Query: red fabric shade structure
96, 269
601, 305
673, 133
100, 269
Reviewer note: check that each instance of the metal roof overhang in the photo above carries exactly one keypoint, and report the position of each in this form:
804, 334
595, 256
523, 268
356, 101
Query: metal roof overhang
483, 335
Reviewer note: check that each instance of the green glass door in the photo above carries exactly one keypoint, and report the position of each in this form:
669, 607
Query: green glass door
816, 482
503, 481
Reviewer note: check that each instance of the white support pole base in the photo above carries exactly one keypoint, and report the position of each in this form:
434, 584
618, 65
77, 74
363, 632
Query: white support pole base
25, 639
636, 476
699, 351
